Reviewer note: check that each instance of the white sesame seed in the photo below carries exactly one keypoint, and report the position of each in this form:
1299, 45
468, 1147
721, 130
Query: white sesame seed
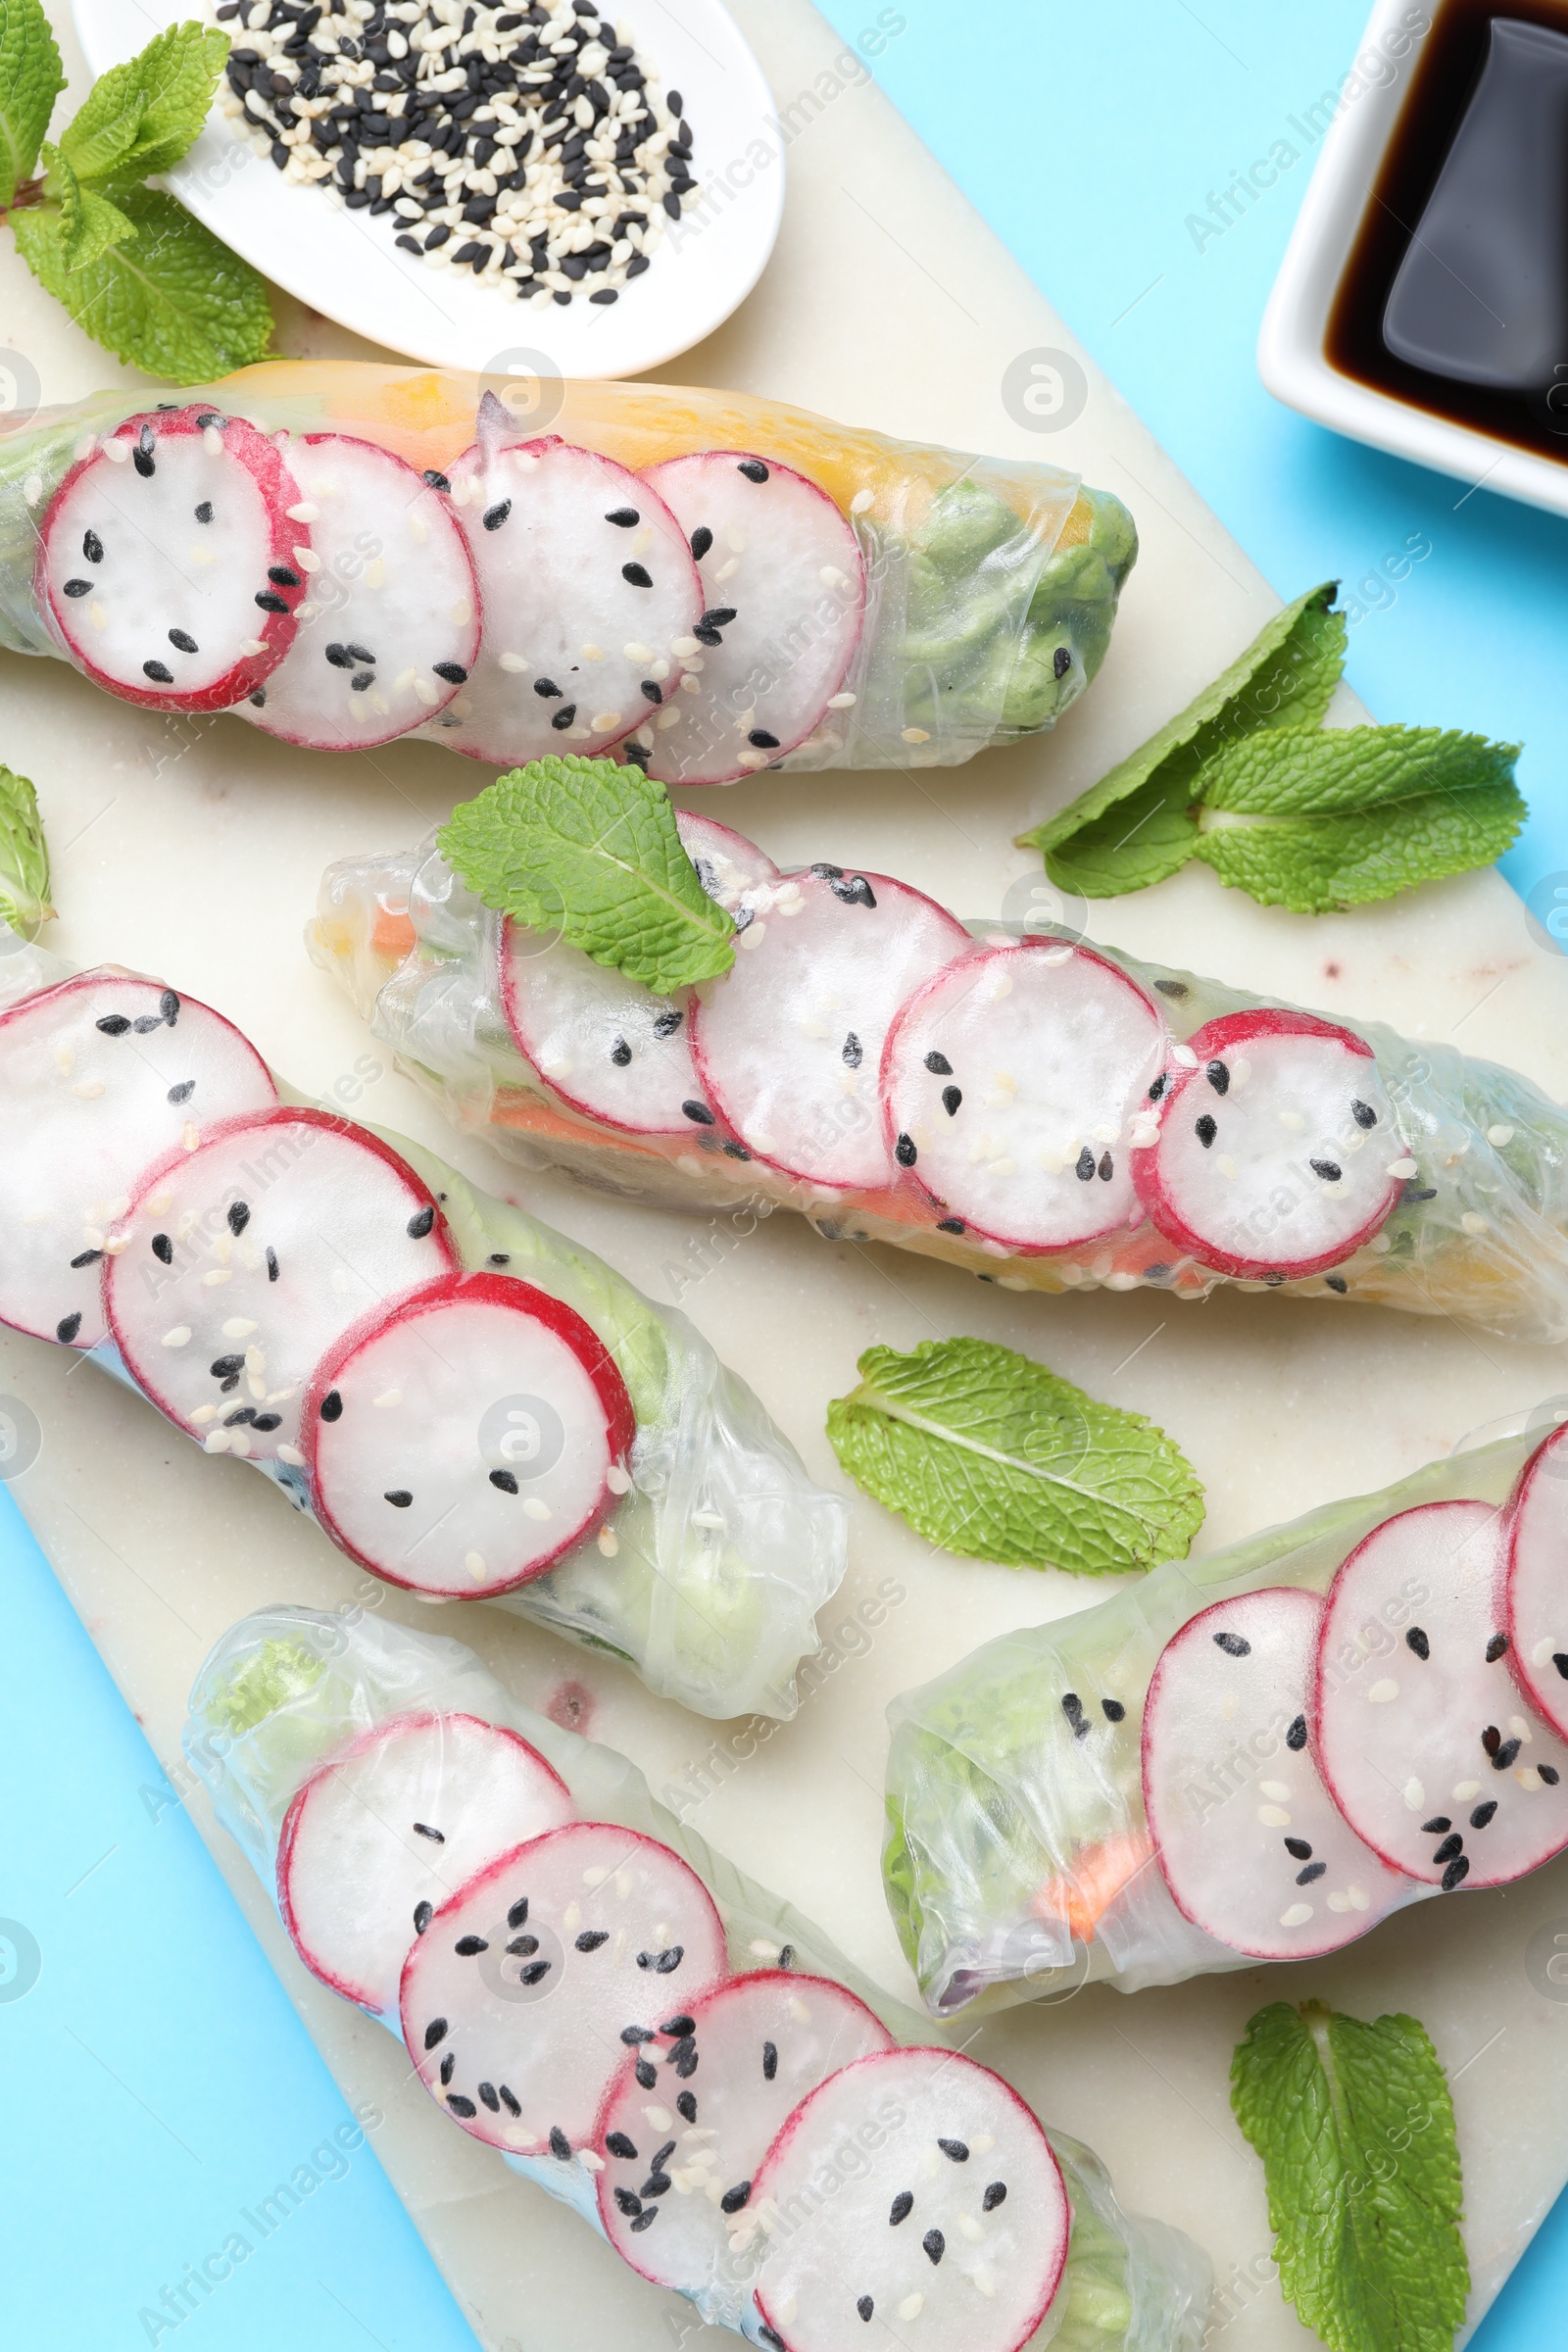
179, 1336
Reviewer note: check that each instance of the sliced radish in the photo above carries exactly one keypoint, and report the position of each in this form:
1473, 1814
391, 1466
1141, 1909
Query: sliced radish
1250, 1841
391, 625
607, 1046
463, 1438
166, 565
383, 1834
1276, 1149
728, 866
1421, 1734
790, 1040
1014, 1084
1536, 1596
524, 1992
784, 589
253, 1251
671, 2198
585, 582
101, 1077
913, 2199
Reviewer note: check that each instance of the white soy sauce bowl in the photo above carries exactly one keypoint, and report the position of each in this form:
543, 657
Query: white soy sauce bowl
345, 265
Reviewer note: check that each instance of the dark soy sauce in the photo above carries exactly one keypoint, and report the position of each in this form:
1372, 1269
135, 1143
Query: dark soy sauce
1456, 295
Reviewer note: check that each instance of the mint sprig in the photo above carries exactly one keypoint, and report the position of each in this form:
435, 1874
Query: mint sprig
131, 266
590, 849
1247, 779
996, 1457
24, 858
1354, 2124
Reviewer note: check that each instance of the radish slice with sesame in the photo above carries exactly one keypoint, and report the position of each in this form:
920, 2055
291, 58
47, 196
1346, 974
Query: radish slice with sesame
788, 1042
606, 1045
729, 868
1249, 1841
1276, 1151
390, 628
784, 588
250, 1254
1014, 1084
385, 1832
673, 2200
167, 564
1421, 1734
463, 1440
585, 581
521, 1997
951, 2228
1536, 1598
101, 1077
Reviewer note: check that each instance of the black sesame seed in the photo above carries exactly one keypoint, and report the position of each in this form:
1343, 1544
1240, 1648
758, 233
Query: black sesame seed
453, 671
436, 480
852, 1052
183, 642
624, 518
1072, 1706
1492, 1740
1219, 1077
1483, 1813
591, 1938
1458, 1871
650, 690
561, 720
267, 1421
699, 1113
645, 2219
487, 2092
951, 1097
281, 576
956, 2151
1235, 1645
112, 1024
1416, 1640
753, 467
995, 2194
950, 1225
1329, 1169
719, 618
142, 456
517, 1916
637, 575
647, 2073
92, 546
1084, 1165
702, 541
466, 1947
1337, 1281
496, 515
559, 2144
1436, 1826
1313, 1869
459, 2105
734, 2198
181, 1092
620, 2145
686, 2105
769, 2061
762, 740
939, 1065
1298, 1847
225, 1367
331, 1406
163, 1249
1506, 1755
1496, 1648
269, 602
864, 2306
535, 1972
1060, 662
85, 1257
657, 2184
423, 1828
934, 2246
1452, 1845
1549, 1773
421, 1223
1106, 1168
1206, 1130
902, 2207
666, 1024
505, 1480
434, 2032
629, 2204
1363, 1115
903, 1152
399, 1497
1112, 1710
272, 1267
523, 1948
160, 674
78, 587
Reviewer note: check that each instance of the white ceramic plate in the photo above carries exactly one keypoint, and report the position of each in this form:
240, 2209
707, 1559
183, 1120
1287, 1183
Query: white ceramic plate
1291, 356
347, 266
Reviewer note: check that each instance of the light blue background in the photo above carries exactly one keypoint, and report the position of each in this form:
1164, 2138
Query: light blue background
1086, 131
156, 2079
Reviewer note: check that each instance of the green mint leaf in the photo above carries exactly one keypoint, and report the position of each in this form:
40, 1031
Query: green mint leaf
88, 223
591, 850
1348, 815
1132, 844
994, 1457
173, 301
31, 81
1354, 2126
141, 116
24, 858
1284, 679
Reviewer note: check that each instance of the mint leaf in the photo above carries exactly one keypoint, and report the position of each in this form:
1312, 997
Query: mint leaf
24, 858
31, 81
1355, 2128
1348, 815
173, 301
141, 116
1285, 679
88, 223
994, 1457
591, 850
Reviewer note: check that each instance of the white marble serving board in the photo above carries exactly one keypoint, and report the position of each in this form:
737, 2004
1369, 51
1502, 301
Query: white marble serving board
195, 853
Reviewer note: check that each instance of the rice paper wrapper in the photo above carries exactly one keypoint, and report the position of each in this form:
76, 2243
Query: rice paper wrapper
287, 1687
991, 583
723, 1547
1019, 1858
1479, 1229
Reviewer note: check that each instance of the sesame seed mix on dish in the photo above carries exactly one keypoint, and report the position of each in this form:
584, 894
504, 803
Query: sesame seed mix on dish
531, 146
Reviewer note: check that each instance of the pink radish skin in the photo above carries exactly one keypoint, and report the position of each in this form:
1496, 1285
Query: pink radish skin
836, 2249
729, 866
556, 1907
413, 604
148, 577
1417, 1722
777, 554
565, 628
348, 1821
92, 1107
1536, 1589
420, 1352
812, 2024
788, 1042
1081, 1043
1224, 1792
1187, 1094
290, 1170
